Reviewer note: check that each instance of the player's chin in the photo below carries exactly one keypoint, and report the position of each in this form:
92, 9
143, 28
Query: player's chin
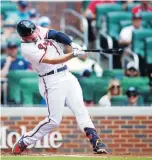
30, 38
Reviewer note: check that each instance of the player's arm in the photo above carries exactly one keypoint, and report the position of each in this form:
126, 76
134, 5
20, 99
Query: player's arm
58, 60
59, 37
62, 59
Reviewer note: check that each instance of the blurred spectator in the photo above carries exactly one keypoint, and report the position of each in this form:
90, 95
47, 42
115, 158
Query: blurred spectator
125, 3
44, 22
9, 31
114, 89
125, 37
91, 9
12, 61
85, 66
132, 70
133, 97
143, 7
90, 14
23, 10
34, 16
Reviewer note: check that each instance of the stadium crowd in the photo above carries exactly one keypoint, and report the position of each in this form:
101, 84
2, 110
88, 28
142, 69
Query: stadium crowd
114, 24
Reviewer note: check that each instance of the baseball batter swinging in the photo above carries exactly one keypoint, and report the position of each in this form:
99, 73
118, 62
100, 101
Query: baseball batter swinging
42, 48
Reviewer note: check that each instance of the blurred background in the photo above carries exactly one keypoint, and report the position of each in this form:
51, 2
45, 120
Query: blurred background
106, 80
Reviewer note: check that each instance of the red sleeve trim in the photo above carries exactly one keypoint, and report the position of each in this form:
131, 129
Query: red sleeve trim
42, 57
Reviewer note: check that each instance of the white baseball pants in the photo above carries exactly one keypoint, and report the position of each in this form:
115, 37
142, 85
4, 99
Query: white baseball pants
57, 90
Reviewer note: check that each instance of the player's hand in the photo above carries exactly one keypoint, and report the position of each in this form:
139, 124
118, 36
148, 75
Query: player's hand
76, 46
77, 52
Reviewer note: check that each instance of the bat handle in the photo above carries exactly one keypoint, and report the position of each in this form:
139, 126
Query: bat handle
92, 50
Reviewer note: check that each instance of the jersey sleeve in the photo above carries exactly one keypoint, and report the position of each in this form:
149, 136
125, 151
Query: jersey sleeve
33, 54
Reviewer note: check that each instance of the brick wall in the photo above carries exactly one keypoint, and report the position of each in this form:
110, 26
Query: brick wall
119, 133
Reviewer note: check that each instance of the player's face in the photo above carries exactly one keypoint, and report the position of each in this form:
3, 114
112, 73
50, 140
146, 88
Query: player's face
33, 37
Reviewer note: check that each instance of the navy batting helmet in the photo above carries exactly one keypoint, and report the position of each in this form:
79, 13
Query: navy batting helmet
25, 28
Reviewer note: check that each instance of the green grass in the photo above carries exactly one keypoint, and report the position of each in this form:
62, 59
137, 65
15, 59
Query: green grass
74, 158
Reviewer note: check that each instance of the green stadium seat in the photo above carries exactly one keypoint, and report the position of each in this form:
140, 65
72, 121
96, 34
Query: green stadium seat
115, 73
30, 91
7, 6
87, 85
118, 100
124, 23
98, 93
144, 91
91, 85
147, 18
113, 21
14, 78
133, 82
103, 9
148, 50
138, 39
100, 88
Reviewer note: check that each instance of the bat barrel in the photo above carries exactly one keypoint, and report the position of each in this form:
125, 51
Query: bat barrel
117, 51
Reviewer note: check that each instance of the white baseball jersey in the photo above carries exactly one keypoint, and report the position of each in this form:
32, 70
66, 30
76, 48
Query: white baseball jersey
57, 89
34, 52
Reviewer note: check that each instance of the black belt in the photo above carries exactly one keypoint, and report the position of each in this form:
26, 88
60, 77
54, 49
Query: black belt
52, 72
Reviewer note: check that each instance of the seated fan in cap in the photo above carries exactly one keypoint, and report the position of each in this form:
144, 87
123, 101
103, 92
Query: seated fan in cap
132, 70
34, 15
133, 97
125, 37
12, 61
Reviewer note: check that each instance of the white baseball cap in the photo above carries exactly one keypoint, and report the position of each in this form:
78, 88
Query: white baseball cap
132, 64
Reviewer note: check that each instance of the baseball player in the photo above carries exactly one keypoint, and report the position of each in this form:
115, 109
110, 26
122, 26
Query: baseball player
42, 48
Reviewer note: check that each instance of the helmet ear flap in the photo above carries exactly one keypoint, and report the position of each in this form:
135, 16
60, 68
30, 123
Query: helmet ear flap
25, 28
